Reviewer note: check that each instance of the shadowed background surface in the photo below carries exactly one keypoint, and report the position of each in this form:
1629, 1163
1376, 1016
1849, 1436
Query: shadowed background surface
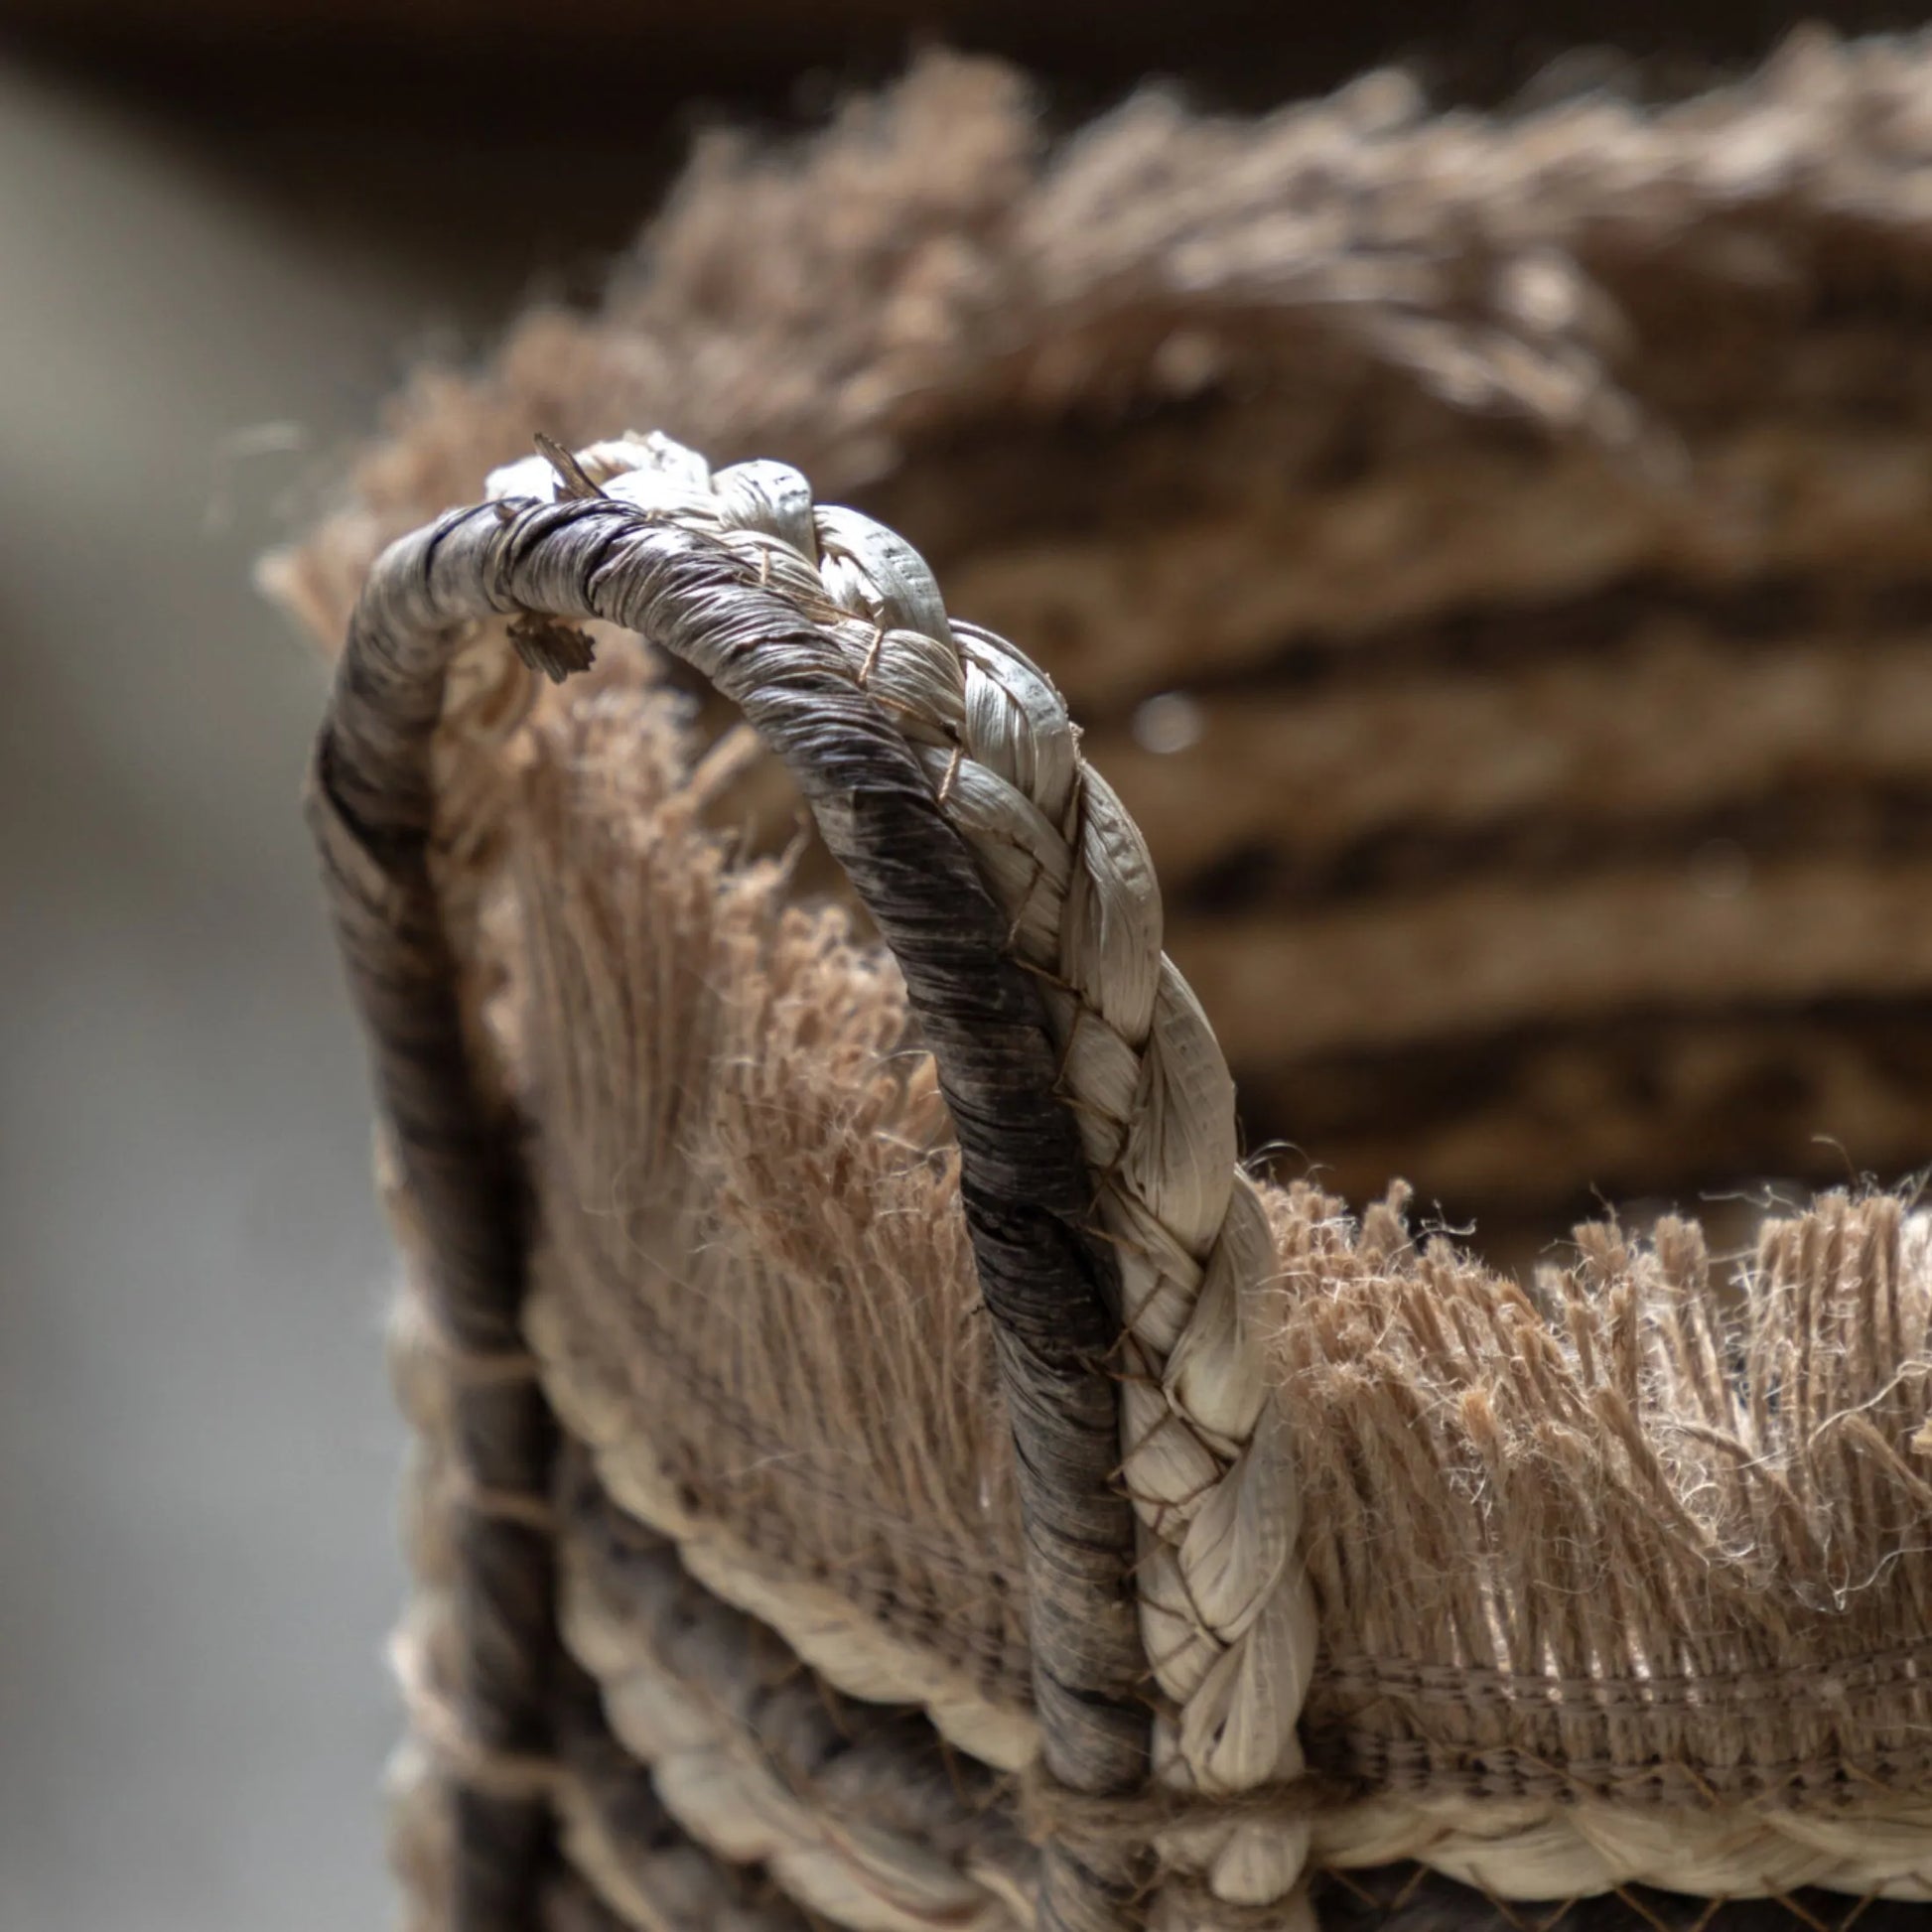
221, 247
198, 1453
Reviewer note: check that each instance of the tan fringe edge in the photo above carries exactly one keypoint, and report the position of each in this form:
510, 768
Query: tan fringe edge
645, 936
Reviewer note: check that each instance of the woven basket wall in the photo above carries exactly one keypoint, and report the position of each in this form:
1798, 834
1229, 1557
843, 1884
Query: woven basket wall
1486, 559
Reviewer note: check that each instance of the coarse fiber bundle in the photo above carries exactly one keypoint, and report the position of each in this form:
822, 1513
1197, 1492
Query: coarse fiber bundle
885, 1458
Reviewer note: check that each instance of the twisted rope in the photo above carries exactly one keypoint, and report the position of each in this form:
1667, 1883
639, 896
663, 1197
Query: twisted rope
458, 1199
1227, 1618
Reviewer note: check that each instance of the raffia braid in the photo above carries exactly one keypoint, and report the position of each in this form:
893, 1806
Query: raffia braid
1226, 1616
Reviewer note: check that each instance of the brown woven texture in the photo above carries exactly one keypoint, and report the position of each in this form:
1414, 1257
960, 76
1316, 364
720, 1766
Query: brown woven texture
1487, 555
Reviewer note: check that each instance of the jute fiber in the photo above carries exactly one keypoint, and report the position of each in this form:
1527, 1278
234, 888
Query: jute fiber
1617, 1577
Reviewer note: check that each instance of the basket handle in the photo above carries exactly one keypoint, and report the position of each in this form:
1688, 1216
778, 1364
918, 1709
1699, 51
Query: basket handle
1116, 1241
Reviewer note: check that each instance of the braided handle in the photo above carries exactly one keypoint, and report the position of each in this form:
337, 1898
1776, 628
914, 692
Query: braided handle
1116, 1242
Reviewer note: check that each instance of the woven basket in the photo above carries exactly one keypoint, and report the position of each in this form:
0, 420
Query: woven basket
883, 1461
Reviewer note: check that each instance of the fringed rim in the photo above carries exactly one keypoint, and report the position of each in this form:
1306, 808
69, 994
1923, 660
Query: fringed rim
1095, 1120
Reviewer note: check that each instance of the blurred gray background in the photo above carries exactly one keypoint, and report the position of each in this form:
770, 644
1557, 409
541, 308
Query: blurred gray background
217, 253
197, 1448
